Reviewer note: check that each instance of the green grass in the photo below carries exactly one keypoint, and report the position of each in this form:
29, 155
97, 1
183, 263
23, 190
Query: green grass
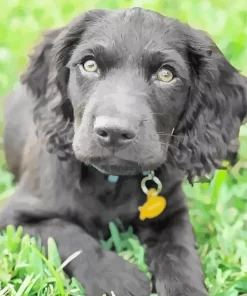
218, 211
25, 270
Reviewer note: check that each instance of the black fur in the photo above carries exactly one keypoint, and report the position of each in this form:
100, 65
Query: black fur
185, 127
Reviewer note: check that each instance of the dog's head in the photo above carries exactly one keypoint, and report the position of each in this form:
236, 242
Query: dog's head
136, 89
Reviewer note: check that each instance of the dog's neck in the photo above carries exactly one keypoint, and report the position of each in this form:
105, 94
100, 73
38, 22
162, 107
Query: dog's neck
150, 186
114, 178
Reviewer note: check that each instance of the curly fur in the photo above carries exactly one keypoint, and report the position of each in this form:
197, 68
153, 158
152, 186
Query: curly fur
215, 108
60, 195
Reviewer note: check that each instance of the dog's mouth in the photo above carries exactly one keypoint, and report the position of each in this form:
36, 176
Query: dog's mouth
119, 167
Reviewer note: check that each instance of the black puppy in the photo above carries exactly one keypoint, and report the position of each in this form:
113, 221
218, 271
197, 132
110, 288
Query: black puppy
105, 98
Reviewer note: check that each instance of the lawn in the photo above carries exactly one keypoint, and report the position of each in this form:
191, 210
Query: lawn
218, 210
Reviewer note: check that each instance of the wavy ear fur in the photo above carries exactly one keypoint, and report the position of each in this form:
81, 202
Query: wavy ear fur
36, 73
216, 106
46, 76
215, 109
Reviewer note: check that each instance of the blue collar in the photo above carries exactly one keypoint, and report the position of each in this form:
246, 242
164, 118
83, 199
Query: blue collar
114, 179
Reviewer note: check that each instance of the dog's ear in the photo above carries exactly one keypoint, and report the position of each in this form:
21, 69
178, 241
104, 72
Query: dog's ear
36, 72
47, 77
216, 106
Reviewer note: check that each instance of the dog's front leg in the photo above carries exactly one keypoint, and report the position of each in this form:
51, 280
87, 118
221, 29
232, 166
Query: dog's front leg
172, 255
99, 271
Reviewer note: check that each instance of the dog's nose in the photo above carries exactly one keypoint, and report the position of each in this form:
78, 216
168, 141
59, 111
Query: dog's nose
113, 132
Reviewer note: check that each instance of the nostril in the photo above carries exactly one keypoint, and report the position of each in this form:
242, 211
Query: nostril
128, 136
113, 132
102, 133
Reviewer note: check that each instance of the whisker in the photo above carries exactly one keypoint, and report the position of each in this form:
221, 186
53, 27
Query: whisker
149, 148
171, 135
159, 142
170, 146
151, 114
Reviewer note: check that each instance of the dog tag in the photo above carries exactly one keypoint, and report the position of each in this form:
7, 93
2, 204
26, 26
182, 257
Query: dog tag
113, 179
153, 207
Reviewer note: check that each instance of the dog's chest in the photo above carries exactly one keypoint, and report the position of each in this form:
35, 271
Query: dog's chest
111, 203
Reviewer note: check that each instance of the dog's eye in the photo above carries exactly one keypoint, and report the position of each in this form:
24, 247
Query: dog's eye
165, 75
90, 66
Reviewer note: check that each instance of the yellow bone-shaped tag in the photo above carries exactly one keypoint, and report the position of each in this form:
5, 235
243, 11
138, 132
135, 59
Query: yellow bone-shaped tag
154, 205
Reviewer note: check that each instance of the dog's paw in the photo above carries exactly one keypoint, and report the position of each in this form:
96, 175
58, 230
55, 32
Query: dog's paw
179, 288
114, 276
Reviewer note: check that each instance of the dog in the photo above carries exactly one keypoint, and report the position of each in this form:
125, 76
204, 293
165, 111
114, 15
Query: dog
114, 109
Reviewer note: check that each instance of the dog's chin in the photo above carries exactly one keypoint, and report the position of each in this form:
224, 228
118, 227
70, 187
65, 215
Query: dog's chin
115, 166
119, 167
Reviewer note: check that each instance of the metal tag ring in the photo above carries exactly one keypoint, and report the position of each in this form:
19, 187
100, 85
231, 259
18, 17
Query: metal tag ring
150, 177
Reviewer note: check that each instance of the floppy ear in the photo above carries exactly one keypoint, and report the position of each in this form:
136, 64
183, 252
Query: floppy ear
36, 73
47, 76
215, 109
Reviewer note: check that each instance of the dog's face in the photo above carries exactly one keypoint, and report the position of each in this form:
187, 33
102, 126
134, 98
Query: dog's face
128, 84
139, 89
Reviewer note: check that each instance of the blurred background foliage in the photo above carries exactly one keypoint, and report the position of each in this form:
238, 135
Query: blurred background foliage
219, 210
